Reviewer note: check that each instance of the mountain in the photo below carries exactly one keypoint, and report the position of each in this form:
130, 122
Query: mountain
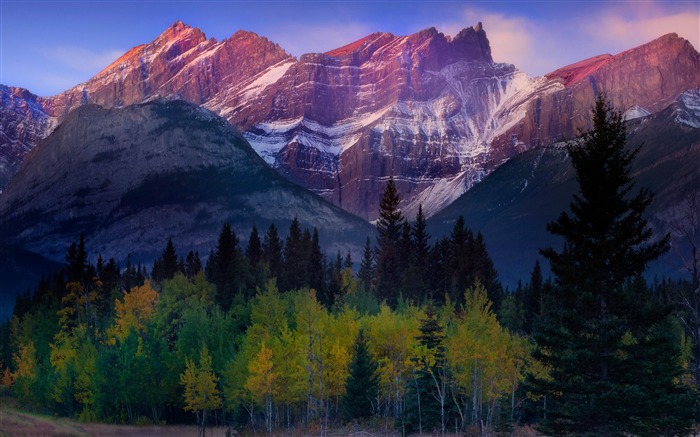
132, 177
639, 81
23, 122
20, 271
435, 112
513, 205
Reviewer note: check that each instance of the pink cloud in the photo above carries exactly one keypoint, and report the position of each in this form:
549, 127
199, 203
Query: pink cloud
631, 31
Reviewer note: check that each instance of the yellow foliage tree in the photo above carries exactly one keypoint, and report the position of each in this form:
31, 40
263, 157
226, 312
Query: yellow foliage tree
262, 379
201, 391
133, 312
63, 360
7, 379
79, 306
391, 339
487, 362
25, 373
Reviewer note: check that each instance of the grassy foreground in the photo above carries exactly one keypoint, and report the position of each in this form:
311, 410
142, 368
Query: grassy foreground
14, 422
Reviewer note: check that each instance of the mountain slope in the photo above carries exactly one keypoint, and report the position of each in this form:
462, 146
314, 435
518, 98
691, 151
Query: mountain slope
434, 112
130, 178
513, 205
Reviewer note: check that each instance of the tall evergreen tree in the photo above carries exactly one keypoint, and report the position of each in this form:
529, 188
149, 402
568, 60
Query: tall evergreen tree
272, 251
77, 269
362, 386
614, 366
193, 264
461, 261
169, 263
366, 272
293, 269
225, 268
254, 249
485, 271
389, 225
316, 264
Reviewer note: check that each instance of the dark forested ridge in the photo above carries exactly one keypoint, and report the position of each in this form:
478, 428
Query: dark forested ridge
266, 331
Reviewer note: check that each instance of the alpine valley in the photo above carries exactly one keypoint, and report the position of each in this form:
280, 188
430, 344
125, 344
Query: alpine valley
183, 131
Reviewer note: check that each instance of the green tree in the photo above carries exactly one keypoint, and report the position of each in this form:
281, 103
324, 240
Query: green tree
193, 264
293, 264
389, 226
614, 370
426, 404
225, 267
272, 251
362, 386
366, 271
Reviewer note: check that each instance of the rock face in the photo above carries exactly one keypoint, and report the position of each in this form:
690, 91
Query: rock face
130, 178
640, 81
421, 108
434, 112
22, 124
514, 203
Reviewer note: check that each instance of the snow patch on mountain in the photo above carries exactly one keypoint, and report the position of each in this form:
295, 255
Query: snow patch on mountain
635, 112
438, 195
690, 114
266, 78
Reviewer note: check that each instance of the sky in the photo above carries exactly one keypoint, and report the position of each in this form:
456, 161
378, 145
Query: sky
48, 46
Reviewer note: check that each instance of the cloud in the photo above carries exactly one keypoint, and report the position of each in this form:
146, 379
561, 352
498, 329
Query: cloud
539, 46
80, 59
627, 32
298, 39
515, 40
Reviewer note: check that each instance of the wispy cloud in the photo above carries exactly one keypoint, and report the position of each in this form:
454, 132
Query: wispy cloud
538, 47
614, 28
515, 39
80, 59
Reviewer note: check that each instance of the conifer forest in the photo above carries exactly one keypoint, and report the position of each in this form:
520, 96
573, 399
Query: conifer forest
268, 333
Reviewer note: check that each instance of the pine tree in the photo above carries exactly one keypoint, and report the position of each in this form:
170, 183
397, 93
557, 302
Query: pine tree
77, 263
485, 271
347, 261
388, 263
293, 270
169, 261
272, 251
427, 397
416, 253
254, 249
613, 364
193, 265
362, 385
224, 267
316, 264
366, 271
461, 261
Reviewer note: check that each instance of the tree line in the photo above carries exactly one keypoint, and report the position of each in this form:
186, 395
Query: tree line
277, 335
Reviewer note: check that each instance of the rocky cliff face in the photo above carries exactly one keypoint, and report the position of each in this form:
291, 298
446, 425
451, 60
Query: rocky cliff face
514, 203
422, 108
434, 112
640, 81
22, 124
130, 178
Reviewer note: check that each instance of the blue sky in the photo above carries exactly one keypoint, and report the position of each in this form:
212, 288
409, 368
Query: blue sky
48, 46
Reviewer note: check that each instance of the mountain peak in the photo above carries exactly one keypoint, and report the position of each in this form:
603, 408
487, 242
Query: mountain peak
178, 31
471, 42
664, 49
355, 45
